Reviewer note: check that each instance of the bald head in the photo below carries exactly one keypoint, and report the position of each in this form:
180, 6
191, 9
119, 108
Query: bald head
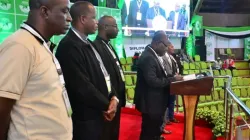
80, 8
159, 36
160, 43
105, 20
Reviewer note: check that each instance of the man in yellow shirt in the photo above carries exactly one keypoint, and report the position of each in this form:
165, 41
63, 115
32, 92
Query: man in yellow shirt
33, 100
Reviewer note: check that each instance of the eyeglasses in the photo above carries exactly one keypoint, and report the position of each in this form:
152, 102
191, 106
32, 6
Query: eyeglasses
163, 43
115, 26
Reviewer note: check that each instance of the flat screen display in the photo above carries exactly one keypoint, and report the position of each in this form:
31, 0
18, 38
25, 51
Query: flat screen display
144, 17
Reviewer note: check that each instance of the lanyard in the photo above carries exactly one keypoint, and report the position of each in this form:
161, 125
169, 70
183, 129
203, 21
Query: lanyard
169, 59
58, 67
98, 57
104, 71
139, 3
156, 11
177, 68
117, 62
159, 61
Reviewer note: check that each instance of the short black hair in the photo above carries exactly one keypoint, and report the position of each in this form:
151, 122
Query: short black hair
104, 18
78, 9
36, 4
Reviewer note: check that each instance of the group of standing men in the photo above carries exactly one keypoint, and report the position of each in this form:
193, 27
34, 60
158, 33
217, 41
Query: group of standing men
39, 90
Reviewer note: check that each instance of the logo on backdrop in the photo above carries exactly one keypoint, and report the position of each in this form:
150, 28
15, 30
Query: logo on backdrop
5, 5
131, 49
5, 24
24, 6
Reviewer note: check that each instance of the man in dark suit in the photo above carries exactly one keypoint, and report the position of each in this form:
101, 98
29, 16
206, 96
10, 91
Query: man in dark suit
177, 18
87, 80
156, 10
172, 69
152, 87
177, 57
137, 13
107, 29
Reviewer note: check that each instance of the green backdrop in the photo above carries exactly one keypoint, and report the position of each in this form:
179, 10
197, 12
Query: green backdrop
14, 12
247, 48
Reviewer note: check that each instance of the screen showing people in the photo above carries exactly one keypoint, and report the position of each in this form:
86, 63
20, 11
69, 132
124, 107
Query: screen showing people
144, 17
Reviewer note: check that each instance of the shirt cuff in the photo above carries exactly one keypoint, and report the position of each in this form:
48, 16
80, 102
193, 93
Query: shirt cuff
115, 98
9, 95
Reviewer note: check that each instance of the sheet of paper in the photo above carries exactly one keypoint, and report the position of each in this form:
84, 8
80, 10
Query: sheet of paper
189, 77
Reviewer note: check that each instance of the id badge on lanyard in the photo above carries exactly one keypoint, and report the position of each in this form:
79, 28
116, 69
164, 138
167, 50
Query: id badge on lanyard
108, 83
117, 63
58, 67
121, 72
138, 16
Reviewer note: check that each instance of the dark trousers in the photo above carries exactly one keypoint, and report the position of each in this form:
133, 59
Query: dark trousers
88, 130
171, 104
169, 113
151, 127
111, 129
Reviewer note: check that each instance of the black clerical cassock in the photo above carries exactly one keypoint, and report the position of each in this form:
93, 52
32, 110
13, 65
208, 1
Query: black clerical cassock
111, 62
86, 85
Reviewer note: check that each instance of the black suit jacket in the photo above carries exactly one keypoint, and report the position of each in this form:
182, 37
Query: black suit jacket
85, 83
112, 68
152, 87
178, 61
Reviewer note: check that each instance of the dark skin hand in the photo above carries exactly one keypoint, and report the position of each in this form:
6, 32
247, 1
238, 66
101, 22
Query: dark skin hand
5, 109
110, 114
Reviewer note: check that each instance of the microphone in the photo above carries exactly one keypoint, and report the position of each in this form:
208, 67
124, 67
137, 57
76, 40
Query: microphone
202, 75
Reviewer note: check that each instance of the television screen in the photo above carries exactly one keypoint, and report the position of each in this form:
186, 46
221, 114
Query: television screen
144, 17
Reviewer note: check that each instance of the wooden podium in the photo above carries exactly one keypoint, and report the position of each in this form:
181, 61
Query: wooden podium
190, 91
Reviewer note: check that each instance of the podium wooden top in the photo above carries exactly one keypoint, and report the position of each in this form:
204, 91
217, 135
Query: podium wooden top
201, 86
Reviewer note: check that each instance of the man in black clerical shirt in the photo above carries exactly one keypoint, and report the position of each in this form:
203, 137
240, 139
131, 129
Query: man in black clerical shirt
87, 80
107, 29
153, 87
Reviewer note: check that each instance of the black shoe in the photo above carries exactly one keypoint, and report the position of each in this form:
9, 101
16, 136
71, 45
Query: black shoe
162, 138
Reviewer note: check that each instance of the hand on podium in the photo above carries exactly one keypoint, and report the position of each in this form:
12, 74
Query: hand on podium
178, 77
